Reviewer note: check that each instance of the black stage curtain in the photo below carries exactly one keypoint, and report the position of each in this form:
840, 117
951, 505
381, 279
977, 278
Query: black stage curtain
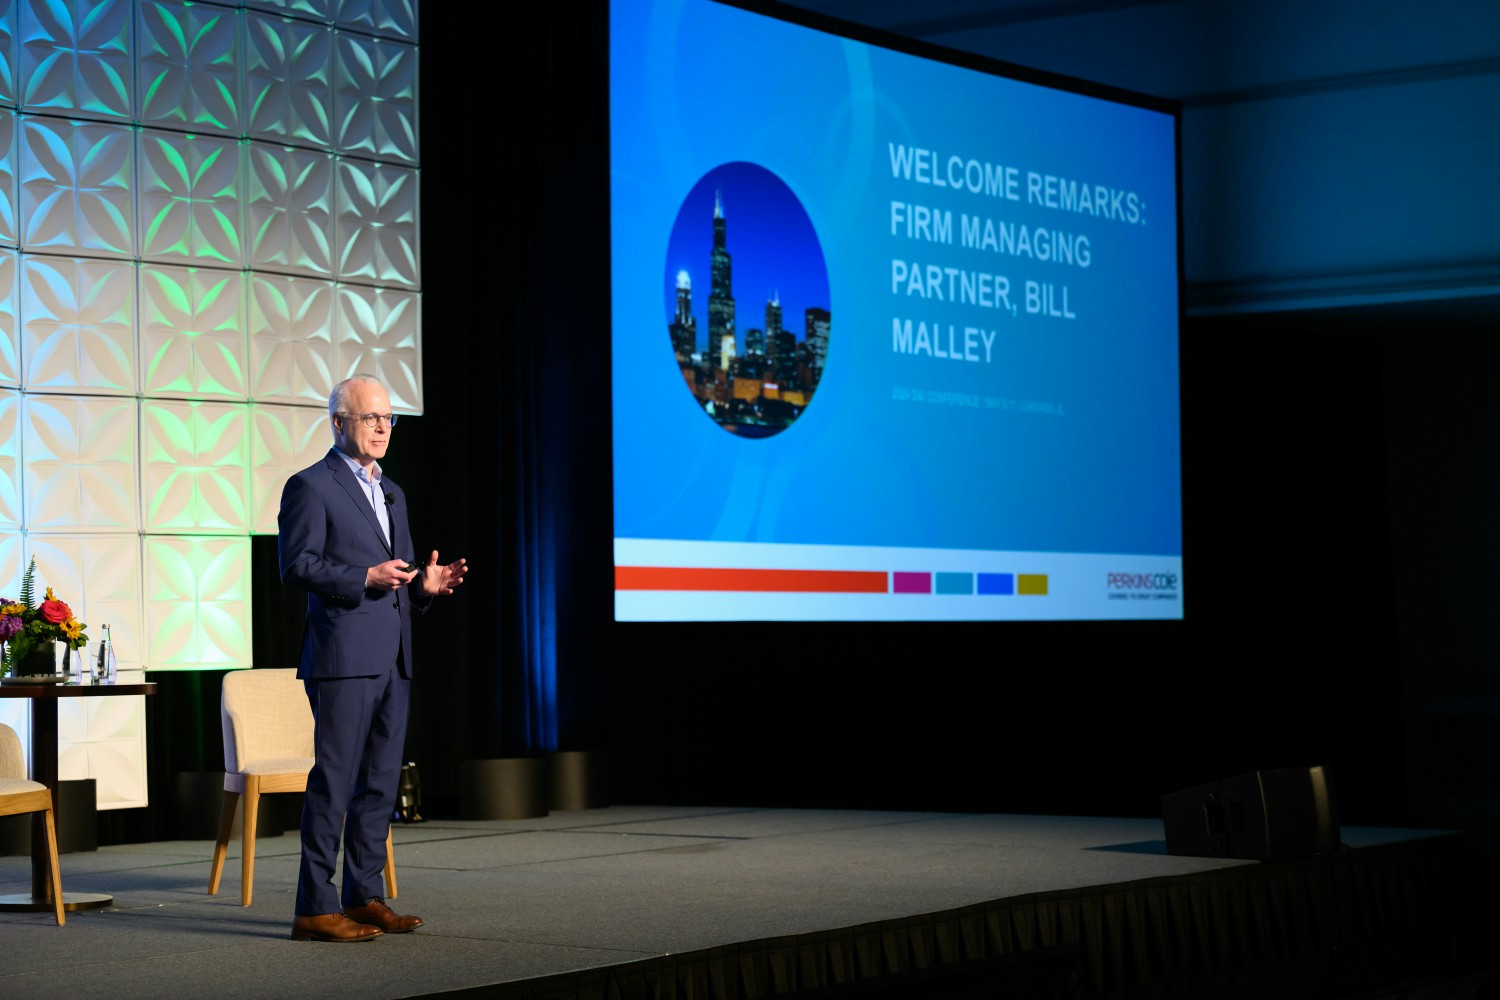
509, 464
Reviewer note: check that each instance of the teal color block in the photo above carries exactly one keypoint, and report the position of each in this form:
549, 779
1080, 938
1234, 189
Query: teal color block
953, 583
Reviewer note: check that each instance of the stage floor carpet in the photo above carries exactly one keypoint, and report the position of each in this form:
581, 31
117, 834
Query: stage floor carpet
634, 901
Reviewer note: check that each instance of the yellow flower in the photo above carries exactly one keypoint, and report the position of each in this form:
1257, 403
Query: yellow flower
71, 628
49, 595
12, 609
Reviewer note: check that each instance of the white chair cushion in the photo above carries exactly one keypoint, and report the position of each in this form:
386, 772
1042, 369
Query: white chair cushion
278, 765
15, 786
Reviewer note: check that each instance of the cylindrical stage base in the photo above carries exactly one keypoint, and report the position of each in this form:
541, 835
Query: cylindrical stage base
504, 788
579, 780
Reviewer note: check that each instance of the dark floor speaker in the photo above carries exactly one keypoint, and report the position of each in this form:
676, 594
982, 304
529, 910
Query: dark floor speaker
1274, 815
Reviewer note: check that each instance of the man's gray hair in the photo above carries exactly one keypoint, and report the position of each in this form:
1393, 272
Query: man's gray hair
338, 399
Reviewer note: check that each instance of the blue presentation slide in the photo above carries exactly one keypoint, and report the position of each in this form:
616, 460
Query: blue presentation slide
892, 337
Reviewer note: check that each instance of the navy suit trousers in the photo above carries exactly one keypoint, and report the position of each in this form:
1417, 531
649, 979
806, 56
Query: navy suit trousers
351, 791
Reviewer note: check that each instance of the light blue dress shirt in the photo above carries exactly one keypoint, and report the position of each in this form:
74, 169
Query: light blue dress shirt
371, 483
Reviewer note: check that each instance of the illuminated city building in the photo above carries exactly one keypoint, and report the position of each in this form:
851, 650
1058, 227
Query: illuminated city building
684, 326
816, 339
720, 290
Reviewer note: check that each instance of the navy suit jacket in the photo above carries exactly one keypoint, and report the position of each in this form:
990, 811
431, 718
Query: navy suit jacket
328, 537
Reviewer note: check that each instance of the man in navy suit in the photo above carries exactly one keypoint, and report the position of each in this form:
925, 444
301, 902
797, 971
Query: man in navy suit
344, 539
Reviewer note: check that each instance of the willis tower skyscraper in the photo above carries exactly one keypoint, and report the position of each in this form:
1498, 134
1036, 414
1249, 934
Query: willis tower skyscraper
720, 294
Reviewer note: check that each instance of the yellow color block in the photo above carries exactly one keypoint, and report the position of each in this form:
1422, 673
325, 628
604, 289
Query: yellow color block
1031, 583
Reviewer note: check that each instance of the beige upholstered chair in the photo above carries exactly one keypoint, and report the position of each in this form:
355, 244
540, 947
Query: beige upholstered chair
17, 795
268, 747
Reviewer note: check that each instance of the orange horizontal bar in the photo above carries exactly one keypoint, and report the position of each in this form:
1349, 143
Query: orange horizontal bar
824, 581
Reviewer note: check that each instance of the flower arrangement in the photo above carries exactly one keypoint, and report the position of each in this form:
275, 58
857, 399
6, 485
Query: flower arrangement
28, 626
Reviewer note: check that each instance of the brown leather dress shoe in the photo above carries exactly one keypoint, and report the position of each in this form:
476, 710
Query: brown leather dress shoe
332, 927
377, 913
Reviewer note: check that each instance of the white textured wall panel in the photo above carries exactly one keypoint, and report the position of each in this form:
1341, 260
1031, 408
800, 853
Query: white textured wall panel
12, 552
105, 739
10, 466
289, 210
8, 17
388, 18
78, 325
283, 440
193, 332
190, 199
99, 577
288, 80
194, 477
76, 187
378, 333
81, 464
197, 602
376, 224
76, 57
188, 67
314, 10
375, 99
292, 358
10, 130
10, 326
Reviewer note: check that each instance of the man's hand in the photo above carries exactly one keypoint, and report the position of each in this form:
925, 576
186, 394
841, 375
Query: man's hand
441, 579
388, 575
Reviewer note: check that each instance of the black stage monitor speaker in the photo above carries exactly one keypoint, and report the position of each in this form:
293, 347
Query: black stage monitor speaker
1272, 815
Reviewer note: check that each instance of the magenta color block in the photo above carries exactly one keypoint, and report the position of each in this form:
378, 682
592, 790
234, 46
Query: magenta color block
911, 583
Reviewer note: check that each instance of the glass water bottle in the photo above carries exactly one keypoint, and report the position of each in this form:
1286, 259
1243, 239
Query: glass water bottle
104, 667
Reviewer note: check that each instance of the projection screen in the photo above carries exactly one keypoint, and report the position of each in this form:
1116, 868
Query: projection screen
894, 330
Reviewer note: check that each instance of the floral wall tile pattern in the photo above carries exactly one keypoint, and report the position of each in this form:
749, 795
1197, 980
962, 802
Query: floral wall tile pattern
209, 213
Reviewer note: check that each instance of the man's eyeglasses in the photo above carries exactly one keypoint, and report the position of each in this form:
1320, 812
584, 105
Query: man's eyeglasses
371, 420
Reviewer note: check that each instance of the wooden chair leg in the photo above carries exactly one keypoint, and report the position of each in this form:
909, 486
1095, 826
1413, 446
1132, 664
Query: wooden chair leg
221, 846
57, 894
390, 866
252, 813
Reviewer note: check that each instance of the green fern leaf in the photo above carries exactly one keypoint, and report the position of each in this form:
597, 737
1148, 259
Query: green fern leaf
27, 598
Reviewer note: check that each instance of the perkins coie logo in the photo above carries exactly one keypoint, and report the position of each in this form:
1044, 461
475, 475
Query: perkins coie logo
1124, 586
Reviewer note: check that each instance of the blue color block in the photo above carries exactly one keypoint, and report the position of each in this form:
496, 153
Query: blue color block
997, 583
